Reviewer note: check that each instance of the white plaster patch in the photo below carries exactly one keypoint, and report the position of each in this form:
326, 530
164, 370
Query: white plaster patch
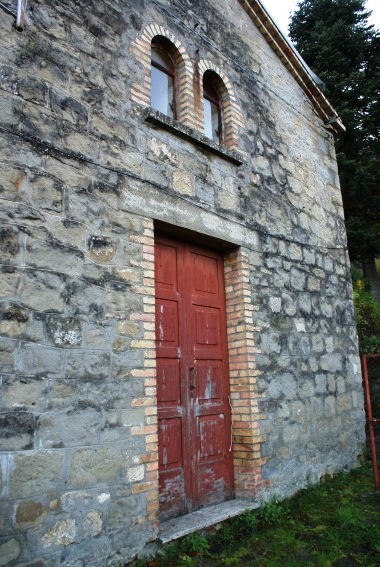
136, 473
103, 497
275, 303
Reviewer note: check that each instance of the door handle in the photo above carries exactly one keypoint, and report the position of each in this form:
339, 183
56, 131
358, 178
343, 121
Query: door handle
193, 382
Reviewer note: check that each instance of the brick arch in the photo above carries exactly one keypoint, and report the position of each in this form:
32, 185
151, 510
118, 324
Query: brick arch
232, 115
140, 92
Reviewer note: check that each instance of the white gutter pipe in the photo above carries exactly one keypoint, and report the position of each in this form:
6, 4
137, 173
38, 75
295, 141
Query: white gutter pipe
20, 18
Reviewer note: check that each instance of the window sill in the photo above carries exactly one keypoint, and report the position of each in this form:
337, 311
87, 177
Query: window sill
167, 123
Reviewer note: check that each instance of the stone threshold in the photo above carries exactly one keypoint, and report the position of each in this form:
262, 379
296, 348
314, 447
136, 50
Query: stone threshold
184, 525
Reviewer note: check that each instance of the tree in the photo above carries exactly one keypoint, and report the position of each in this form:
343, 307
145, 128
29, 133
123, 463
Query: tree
334, 38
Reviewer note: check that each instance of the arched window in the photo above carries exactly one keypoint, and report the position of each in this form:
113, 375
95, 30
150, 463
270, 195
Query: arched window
212, 108
163, 79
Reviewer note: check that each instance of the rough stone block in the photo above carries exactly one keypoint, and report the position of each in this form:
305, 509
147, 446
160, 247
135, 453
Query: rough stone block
35, 473
124, 508
7, 351
10, 245
9, 279
13, 319
10, 550
94, 552
76, 500
331, 362
89, 365
183, 182
24, 392
17, 430
12, 182
122, 364
62, 393
30, 513
42, 360
129, 328
62, 533
291, 433
78, 425
50, 253
43, 291
94, 467
297, 279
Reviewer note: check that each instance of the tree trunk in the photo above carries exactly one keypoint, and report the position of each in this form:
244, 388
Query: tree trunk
370, 273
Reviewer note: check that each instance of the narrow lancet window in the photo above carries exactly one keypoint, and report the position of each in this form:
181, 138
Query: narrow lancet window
162, 82
212, 112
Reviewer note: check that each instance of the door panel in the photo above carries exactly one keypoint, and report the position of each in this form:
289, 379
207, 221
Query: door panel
195, 460
210, 381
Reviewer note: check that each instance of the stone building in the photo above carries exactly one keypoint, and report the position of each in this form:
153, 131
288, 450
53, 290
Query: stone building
176, 300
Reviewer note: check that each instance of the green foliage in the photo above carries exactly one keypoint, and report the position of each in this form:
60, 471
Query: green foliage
195, 542
274, 513
186, 560
333, 523
245, 523
367, 313
348, 517
334, 38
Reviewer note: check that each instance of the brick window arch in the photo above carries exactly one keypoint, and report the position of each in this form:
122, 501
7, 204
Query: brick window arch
155, 35
230, 116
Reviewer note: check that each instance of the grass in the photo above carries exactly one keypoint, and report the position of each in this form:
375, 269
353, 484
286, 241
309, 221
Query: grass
336, 523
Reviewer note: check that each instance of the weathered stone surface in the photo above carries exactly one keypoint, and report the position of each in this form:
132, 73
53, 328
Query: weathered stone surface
64, 331
78, 425
43, 291
94, 552
183, 183
76, 500
47, 193
62, 533
13, 319
30, 513
7, 354
92, 525
38, 359
101, 248
94, 467
24, 392
17, 430
122, 509
9, 551
35, 473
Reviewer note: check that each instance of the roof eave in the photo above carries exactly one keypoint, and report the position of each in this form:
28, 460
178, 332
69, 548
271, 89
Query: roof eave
294, 63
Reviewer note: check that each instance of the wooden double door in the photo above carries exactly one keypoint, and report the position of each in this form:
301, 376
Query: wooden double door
194, 411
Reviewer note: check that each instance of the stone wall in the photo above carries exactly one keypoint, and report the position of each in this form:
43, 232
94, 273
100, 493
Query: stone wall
83, 177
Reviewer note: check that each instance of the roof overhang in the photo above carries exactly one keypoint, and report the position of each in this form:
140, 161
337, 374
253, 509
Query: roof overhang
294, 63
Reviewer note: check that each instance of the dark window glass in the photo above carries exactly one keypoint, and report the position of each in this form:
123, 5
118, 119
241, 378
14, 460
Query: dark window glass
162, 82
212, 113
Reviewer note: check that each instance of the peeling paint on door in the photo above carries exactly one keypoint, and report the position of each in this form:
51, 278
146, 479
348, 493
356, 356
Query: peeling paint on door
195, 461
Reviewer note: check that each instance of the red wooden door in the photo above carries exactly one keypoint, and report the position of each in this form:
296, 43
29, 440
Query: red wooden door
195, 458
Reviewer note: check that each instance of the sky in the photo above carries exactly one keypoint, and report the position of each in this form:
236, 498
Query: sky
280, 10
